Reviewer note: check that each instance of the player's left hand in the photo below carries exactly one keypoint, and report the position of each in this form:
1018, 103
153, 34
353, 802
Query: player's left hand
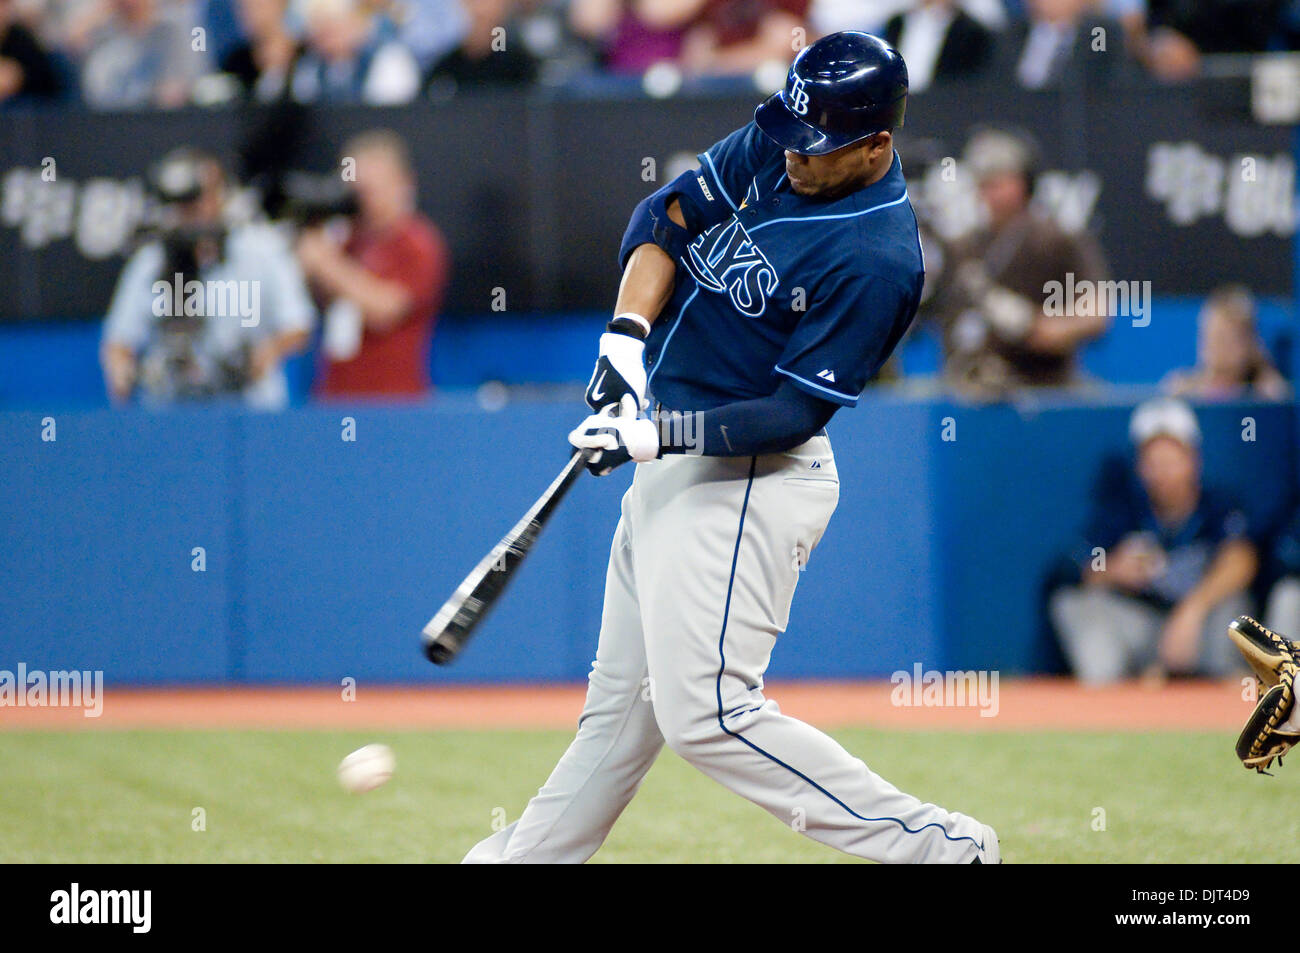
620, 370
617, 434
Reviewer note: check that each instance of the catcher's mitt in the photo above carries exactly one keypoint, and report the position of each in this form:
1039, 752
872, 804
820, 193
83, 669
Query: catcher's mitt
1268, 733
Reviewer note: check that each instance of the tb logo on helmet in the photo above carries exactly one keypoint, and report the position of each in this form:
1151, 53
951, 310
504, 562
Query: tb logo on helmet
798, 96
860, 82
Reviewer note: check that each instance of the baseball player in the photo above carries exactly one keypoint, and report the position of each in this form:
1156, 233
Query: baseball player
760, 293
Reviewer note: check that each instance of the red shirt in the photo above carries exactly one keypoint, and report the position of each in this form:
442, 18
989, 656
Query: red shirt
395, 362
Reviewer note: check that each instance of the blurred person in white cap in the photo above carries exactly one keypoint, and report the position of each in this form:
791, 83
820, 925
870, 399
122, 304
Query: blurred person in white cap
1165, 565
991, 307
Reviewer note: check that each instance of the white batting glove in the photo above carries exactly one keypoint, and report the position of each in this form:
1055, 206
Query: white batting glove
615, 435
620, 369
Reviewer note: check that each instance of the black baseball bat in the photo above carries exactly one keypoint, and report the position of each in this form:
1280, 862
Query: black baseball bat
448, 631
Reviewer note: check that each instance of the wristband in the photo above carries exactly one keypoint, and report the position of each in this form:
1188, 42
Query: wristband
631, 324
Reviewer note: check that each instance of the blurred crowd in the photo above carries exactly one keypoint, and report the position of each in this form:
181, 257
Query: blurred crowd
1016, 298
1013, 300
214, 300
125, 54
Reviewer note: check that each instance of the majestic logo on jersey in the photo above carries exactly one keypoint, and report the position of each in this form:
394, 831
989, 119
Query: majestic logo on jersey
798, 97
725, 259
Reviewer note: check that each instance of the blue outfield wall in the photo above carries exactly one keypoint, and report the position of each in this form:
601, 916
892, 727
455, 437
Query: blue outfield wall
324, 557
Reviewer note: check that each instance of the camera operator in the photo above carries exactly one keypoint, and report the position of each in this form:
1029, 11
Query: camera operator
203, 309
382, 286
998, 336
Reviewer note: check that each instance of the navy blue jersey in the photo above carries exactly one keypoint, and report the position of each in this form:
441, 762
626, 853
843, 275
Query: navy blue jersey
777, 285
1125, 511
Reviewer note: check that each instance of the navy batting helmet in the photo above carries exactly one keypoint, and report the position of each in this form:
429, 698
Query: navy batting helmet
840, 90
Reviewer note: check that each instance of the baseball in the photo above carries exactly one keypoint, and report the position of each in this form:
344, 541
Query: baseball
366, 768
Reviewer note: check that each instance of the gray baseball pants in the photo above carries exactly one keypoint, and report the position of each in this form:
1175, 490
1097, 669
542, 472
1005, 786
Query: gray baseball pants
701, 576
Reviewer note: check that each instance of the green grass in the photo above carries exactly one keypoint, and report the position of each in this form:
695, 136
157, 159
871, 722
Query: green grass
271, 796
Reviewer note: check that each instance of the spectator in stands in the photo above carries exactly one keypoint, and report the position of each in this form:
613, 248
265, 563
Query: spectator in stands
384, 285
1232, 363
1219, 26
26, 71
1058, 43
633, 35
1131, 15
430, 28
831, 16
347, 62
939, 41
1127, 12
141, 55
736, 37
491, 54
1179, 32
547, 31
992, 308
1165, 567
205, 310
56, 23
265, 60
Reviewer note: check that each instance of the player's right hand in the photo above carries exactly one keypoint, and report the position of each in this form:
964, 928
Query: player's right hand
620, 370
616, 435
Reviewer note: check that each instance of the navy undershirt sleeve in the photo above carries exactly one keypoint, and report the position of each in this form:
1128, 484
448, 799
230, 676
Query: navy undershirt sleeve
772, 424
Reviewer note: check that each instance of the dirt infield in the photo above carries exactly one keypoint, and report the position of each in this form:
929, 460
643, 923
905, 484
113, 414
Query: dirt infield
1019, 705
